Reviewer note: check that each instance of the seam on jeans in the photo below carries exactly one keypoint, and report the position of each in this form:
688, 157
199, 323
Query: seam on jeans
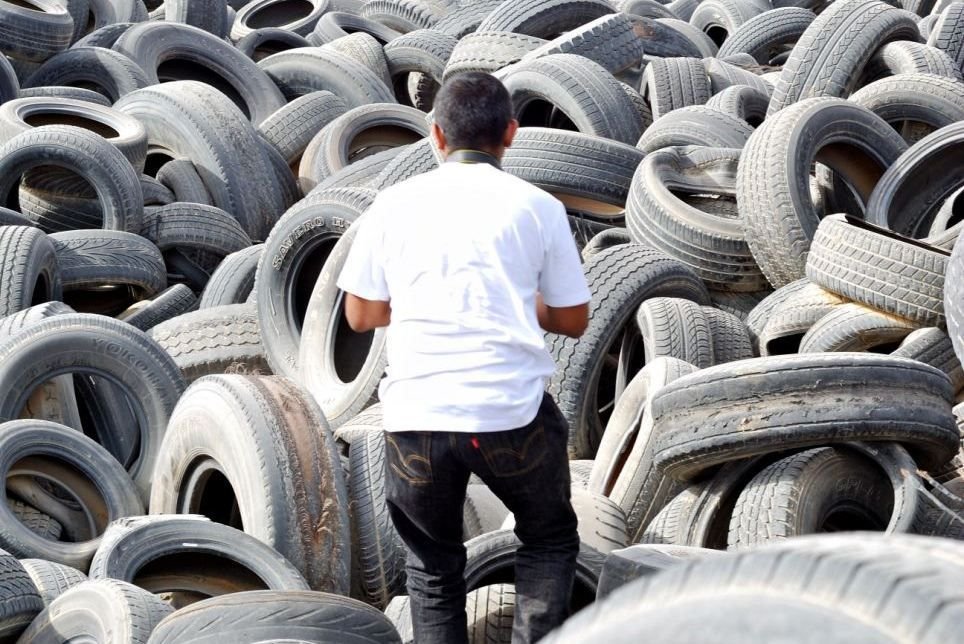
411, 480
406, 461
490, 456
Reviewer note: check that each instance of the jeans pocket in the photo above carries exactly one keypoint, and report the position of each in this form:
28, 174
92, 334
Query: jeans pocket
410, 456
515, 452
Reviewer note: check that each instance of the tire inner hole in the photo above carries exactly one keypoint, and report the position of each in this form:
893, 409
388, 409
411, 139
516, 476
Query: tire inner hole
278, 14
349, 350
38, 119
178, 69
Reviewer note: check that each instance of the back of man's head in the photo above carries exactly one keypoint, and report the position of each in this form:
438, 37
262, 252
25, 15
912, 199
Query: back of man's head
473, 110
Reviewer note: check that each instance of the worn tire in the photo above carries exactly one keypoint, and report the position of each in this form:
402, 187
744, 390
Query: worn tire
171, 302
910, 193
269, 616
709, 236
833, 51
154, 45
543, 18
29, 272
21, 601
378, 566
772, 182
68, 476
292, 127
671, 83
789, 321
97, 346
296, 254
877, 268
764, 393
699, 596
52, 579
90, 259
767, 34
582, 90
588, 174
201, 558
339, 367
827, 489
854, 327
620, 279
625, 469
214, 340
191, 120
105, 611
696, 125
295, 500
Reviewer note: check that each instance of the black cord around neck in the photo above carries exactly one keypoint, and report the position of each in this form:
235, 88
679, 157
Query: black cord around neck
473, 156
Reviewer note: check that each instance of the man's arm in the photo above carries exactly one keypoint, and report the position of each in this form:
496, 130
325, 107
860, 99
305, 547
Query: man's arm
365, 315
565, 320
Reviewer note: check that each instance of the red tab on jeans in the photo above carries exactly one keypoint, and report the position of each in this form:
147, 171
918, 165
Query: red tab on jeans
475, 442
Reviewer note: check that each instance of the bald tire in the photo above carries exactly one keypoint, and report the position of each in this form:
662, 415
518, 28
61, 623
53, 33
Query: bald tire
854, 327
106, 611
260, 616
933, 346
628, 564
273, 445
233, 279
768, 393
785, 582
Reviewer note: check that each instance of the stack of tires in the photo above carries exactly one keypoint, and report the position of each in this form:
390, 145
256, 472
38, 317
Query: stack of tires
766, 197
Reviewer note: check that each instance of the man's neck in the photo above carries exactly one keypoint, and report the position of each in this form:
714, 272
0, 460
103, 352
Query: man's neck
497, 153
471, 156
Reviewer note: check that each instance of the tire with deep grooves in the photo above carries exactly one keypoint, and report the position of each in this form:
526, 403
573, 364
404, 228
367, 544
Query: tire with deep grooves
620, 279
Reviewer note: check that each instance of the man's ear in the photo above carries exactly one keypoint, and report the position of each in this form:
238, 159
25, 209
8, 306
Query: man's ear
509, 135
439, 136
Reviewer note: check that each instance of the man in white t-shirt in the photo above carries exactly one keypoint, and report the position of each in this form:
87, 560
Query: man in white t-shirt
467, 266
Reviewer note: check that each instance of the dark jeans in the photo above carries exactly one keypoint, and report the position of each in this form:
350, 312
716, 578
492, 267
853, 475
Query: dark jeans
427, 474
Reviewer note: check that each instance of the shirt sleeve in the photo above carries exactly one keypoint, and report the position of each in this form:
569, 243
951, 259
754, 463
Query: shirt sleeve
562, 281
363, 274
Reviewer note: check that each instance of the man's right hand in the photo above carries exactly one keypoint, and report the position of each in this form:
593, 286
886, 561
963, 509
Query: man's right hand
566, 320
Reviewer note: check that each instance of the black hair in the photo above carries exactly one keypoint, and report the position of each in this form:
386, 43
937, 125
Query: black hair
473, 109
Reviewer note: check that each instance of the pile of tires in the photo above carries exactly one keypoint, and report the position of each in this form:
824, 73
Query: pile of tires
766, 198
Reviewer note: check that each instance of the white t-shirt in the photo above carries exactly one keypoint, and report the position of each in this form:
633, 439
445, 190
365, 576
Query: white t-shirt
460, 252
